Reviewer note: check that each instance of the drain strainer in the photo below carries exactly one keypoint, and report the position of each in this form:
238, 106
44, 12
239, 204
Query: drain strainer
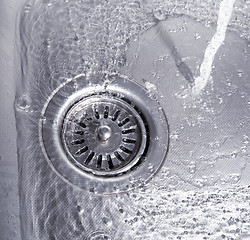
104, 136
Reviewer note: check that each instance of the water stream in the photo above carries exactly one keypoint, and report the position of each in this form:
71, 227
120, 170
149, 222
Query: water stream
225, 12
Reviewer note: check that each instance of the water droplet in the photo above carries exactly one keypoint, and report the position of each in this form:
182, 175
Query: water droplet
192, 167
233, 178
243, 149
161, 58
174, 180
46, 43
197, 36
199, 183
151, 168
160, 109
81, 211
175, 135
121, 210
157, 138
183, 29
93, 190
152, 90
22, 103
27, 8
43, 118
159, 14
55, 122
234, 154
240, 73
246, 139
107, 221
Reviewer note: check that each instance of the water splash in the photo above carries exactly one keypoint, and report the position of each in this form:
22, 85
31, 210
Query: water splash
225, 12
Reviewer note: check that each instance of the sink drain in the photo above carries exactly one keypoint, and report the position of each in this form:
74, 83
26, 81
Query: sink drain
103, 136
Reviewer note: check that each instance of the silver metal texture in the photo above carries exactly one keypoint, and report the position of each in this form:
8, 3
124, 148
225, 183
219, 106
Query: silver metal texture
104, 135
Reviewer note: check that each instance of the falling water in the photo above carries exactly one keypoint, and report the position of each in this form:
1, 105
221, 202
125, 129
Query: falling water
225, 12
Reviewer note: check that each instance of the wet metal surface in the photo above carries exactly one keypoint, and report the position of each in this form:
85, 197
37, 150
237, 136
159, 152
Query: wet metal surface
202, 189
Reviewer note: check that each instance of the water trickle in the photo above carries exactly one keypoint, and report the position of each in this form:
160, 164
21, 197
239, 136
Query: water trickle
225, 12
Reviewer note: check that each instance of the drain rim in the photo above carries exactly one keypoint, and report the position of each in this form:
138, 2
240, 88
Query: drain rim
74, 90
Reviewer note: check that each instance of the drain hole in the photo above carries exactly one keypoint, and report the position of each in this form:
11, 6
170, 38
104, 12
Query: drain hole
118, 156
106, 112
116, 115
89, 158
99, 161
126, 150
123, 122
126, 131
81, 151
110, 163
89, 119
127, 140
82, 124
78, 141
97, 115
79, 132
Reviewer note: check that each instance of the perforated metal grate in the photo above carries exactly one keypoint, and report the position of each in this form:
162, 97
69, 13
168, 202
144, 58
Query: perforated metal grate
103, 133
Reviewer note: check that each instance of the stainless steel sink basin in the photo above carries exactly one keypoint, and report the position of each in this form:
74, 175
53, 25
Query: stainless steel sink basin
112, 142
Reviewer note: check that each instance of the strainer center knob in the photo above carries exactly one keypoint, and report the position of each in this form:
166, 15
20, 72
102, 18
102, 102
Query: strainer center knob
104, 133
